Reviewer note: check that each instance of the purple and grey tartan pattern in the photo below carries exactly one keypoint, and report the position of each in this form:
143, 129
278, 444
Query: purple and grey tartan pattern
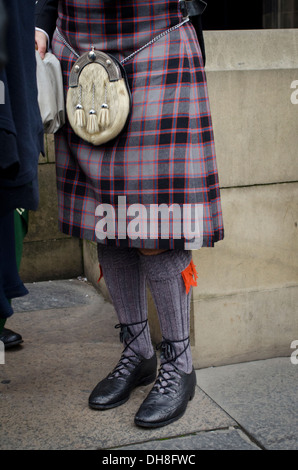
166, 154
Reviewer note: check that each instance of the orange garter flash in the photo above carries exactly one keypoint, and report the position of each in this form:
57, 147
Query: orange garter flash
190, 276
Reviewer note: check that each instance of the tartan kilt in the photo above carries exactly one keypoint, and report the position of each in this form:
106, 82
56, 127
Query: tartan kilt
165, 157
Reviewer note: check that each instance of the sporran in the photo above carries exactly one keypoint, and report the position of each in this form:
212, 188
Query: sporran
98, 100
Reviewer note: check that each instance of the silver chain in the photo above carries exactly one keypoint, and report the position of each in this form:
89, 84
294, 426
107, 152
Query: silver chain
152, 41
157, 38
66, 43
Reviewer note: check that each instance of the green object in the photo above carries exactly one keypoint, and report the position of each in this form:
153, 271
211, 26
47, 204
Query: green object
21, 217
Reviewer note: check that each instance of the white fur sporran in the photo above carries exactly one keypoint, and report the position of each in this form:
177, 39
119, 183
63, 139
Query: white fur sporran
98, 102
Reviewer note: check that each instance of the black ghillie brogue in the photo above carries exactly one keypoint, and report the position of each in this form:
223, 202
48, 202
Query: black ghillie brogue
131, 371
169, 397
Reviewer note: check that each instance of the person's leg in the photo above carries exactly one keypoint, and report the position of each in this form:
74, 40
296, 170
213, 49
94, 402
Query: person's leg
166, 282
11, 338
125, 282
11, 285
170, 276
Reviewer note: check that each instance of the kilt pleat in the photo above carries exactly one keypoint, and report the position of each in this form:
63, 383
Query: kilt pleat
166, 154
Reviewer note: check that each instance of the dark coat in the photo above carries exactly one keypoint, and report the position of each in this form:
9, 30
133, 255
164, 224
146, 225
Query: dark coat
2, 34
21, 130
46, 12
21, 138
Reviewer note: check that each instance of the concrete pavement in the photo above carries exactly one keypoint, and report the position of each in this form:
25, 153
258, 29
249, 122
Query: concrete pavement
70, 344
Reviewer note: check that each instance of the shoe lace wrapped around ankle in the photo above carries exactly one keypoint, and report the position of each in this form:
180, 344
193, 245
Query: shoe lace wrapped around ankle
127, 362
126, 336
168, 375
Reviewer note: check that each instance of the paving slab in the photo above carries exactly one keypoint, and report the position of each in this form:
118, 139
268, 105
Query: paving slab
225, 439
69, 345
261, 396
55, 294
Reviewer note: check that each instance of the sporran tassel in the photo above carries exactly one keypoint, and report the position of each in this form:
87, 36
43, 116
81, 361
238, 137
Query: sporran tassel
80, 118
92, 124
104, 116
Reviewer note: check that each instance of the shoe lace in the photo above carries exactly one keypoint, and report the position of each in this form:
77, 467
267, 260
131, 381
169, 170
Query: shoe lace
168, 375
126, 336
127, 362
125, 366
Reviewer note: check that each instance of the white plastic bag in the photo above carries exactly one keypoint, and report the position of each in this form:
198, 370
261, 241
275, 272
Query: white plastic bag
50, 92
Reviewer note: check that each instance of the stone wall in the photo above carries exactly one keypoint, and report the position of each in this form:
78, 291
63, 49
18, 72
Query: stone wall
47, 253
245, 305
